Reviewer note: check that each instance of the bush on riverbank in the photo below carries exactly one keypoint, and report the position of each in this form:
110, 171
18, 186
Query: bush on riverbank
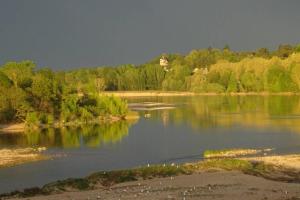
84, 109
45, 97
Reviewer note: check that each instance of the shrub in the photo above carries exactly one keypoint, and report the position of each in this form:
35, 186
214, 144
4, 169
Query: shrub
32, 118
5, 81
209, 87
215, 87
111, 105
85, 115
232, 84
50, 119
279, 80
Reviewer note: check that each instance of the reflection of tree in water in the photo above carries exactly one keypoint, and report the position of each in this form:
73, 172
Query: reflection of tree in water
106, 133
70, 137
225, 111
279, 105
196, 112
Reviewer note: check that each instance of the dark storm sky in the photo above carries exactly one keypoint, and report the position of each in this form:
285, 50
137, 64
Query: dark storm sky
64, 34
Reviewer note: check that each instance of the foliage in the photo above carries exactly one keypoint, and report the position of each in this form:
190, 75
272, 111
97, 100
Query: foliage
279, 80
234, 71
74, 95
20, 73
45, 97
32, 118
112, 106
5, 81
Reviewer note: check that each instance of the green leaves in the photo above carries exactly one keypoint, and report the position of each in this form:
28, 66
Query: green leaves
5, 81
110, 105
279, 80
20, 73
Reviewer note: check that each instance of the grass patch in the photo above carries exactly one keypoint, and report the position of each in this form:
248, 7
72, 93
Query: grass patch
226, 164
229, 153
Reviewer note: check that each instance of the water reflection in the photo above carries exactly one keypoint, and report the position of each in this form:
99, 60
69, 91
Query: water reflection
199, 113
70, 137
226, 111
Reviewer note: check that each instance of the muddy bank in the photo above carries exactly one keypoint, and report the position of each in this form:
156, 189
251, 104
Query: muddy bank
12, 157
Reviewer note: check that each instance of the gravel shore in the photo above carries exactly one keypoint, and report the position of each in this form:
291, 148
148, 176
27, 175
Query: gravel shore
225, 185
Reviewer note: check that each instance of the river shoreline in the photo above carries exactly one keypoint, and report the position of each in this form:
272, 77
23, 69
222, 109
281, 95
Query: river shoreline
12, 128
176, 93
16, 128
12, 157
21, 127
257, 177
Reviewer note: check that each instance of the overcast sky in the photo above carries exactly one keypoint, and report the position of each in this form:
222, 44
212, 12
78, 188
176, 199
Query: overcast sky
64, 34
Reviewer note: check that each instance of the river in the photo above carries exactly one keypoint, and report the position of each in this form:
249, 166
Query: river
179, 134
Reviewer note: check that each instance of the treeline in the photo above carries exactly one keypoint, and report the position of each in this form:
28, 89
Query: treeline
45, 97
205, 70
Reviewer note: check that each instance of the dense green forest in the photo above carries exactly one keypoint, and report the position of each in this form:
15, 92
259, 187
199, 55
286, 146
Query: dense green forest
45, 96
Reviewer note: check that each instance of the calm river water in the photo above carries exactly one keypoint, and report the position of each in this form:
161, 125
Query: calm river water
165, 136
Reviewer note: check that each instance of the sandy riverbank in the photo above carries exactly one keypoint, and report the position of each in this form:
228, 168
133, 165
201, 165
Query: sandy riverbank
288, 161
12, 128
150, 93
11, 157
176, 93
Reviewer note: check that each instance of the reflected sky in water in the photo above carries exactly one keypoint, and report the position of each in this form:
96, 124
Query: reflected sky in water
178, 135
